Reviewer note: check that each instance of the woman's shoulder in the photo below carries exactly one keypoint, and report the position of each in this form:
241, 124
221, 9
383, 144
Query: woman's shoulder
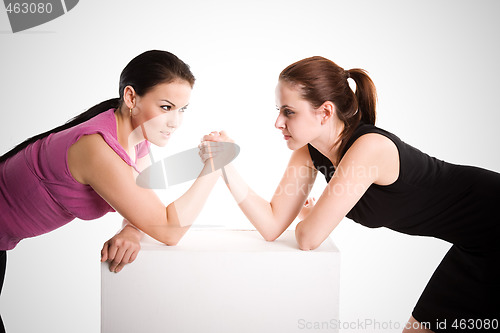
364, 128
90, 153
96, 141
103, 123
373, 147
371, 137
374, 151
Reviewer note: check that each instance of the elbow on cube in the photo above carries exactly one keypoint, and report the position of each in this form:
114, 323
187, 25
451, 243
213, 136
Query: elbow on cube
305, 240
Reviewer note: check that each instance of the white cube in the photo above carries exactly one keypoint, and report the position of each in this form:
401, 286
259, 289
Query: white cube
224, 281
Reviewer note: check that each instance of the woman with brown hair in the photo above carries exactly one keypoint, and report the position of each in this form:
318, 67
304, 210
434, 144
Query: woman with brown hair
376, 179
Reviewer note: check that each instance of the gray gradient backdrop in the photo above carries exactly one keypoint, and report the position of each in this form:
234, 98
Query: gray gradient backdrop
435, 64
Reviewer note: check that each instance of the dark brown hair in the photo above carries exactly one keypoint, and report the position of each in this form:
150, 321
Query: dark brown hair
321, 80
142, 73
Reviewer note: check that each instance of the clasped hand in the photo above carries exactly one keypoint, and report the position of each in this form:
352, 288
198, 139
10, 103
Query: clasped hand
209, 149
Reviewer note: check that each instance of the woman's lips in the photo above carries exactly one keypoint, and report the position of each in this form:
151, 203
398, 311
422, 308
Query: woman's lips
165, 134
286, 137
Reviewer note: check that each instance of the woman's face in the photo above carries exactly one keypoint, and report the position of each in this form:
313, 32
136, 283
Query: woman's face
160, 111
299, 122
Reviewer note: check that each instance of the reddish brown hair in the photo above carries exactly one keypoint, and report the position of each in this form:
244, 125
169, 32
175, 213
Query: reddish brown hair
321, 80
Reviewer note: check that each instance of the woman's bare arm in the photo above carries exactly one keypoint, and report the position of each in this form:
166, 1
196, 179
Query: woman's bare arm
274, 217
123, 248
372, 158
93, 162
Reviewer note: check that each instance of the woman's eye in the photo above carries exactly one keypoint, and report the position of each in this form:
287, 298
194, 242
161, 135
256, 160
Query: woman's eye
166, 107
183, 109
286, 112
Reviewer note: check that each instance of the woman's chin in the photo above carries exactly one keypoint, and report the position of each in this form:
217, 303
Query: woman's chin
163, 144
292, 145
159, 143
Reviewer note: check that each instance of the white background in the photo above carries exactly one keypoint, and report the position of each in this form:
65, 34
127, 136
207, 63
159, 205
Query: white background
435, 64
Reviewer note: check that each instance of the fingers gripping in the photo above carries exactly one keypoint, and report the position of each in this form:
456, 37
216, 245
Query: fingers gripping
119, 253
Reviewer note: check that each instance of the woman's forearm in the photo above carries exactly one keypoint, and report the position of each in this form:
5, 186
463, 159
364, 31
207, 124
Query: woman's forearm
258, 211
183, 211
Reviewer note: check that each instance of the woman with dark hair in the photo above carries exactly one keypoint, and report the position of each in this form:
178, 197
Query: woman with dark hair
87, 167
377, 180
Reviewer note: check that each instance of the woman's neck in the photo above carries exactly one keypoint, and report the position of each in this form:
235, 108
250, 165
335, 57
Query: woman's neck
327, 143
128, 137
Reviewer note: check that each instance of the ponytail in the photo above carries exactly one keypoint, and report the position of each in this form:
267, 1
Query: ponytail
87, 115
321, 80
366, 94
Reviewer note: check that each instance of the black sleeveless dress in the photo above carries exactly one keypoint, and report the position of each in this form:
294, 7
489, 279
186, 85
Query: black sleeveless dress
452, 202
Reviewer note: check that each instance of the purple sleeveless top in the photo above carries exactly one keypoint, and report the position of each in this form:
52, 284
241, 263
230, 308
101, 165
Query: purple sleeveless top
38, 193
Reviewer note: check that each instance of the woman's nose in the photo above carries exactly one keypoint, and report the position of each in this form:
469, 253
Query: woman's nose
173, 119
280, 123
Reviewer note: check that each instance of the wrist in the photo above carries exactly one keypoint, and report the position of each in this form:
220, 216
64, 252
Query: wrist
132, 231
